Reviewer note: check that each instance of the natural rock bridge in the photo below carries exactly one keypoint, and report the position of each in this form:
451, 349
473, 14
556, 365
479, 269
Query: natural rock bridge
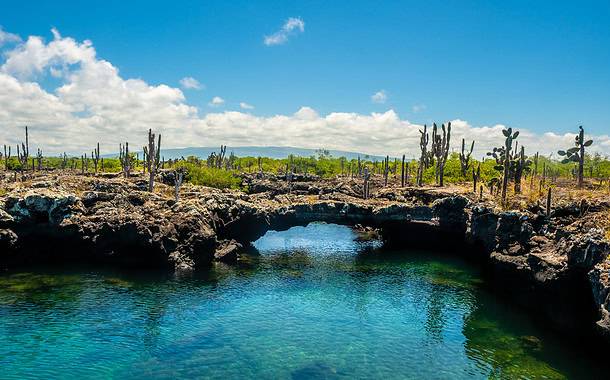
444, 215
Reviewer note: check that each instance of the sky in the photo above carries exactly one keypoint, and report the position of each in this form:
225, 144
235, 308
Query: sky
347, 75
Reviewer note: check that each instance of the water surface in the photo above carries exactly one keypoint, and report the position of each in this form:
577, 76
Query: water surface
314, 304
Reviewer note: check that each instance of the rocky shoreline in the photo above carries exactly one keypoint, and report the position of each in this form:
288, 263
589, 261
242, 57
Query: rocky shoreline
559, 260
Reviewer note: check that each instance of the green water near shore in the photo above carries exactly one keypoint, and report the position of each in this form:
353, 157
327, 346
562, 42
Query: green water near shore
315, 304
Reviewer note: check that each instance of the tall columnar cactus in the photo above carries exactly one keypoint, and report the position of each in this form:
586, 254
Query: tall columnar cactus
386, 170
365, 183
503, 158
440, 148
125, 159
84, 164
220, 157
476, 175
144, 158
520, 164
535, 160
7, 156
39, 159
510, 136
577, 153
548, 202
95, 156
178, 178
402, 172
465, 157
153, 158
24, 154
423, 161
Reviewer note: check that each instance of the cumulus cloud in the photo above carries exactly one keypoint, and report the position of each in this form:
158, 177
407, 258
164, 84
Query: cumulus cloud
190, 83
291, 27
246, 106
6, 37
379, 97
216, 101
94, 103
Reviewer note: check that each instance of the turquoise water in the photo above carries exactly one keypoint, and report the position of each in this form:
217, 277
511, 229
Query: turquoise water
315, 304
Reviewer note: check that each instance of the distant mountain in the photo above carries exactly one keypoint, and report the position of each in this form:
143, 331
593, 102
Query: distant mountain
255, 151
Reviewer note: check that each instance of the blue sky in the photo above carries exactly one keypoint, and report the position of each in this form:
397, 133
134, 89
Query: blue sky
541, 66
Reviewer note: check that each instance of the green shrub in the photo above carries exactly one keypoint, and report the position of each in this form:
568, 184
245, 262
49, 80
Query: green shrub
212, 177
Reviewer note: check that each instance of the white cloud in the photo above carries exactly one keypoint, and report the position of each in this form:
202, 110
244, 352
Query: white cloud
6, 37
379, 97
216, 101
418, 108
93, 103
246, 106
190, 83
291, 27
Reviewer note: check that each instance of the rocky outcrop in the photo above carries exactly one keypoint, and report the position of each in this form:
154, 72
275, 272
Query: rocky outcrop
561, 258
599, 277
40, 205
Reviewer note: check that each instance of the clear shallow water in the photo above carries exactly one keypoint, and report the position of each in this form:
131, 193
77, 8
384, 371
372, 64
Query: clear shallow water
314, 304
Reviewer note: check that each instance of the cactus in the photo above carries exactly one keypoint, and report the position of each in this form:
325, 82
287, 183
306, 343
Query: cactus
95, 156
475, 178
365, 186
465, 157
24, 153
84, 164
548, 203
503, 157
230, 162
519, 165
7, 156
440, 149
144, 158
423, 161
125, 159
221, 156
386, 170
577, 154
402, 171
178, 178
64, 161
535, 172
153, 158
39, 159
